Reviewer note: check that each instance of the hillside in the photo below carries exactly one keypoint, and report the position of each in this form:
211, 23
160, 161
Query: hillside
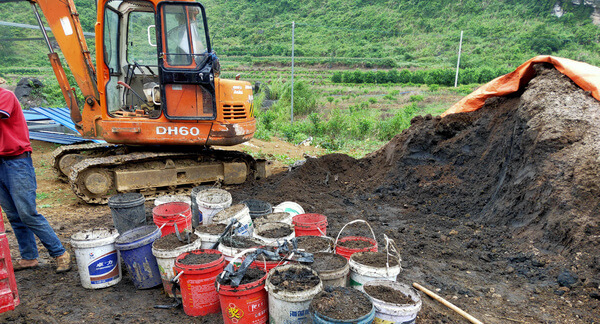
402, 33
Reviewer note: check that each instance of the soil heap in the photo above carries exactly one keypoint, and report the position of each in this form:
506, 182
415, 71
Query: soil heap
529, 161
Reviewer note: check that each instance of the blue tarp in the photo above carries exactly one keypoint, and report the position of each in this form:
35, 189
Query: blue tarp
53, 117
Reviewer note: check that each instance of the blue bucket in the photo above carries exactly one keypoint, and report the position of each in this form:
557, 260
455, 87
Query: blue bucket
135, 246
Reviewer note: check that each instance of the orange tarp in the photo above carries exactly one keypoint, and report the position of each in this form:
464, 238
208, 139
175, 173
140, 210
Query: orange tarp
584, 75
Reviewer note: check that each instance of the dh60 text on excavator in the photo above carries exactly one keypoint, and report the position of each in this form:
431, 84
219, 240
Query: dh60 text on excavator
155, 94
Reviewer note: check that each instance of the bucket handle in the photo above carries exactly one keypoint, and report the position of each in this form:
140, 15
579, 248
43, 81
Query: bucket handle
389, 243
352, 222
235, 257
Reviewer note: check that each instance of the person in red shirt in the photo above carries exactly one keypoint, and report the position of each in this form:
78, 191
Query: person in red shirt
17, 189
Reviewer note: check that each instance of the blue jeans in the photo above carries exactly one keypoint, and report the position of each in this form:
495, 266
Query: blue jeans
17, 198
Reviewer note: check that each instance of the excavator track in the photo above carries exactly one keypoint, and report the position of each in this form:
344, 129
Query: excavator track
66, 156
153, 173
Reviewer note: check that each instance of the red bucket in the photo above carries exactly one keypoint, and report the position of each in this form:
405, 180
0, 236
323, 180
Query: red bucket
310, 224
197, 284
346, 252
245, 304
172, 215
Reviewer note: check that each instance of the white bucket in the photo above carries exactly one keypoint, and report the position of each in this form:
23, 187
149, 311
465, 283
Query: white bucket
98, 261
289, 207
210, 202
208, 239
172, 198
166, 261
335, 277
283, 217
396, 313
290, 306
240, 212
361, 274
230, 252
270, 226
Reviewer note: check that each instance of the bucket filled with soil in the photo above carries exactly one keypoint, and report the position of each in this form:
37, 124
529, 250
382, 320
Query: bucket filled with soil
241, 213
314, 244
348, 245
394, 302
98, 259
332, 268
245, 303
258, 208
197, 271
173, 217
169, 247
342, 305
281, 217
368, 266
310, 224
291, 288
271, 233
231, 246
211, 201
209, 234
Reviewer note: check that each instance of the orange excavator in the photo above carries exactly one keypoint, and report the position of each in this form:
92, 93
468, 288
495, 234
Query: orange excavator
154, 96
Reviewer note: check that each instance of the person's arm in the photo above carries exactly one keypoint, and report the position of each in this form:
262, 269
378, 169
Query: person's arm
8, 102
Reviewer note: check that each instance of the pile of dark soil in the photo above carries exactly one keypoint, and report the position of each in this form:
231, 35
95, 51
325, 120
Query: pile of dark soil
509, 193
171, 241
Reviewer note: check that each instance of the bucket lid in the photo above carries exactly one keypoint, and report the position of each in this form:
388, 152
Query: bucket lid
125, 200
93, 238
213, 198
137, 237
236, 211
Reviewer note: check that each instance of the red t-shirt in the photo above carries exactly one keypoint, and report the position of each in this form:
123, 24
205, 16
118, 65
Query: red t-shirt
14, 134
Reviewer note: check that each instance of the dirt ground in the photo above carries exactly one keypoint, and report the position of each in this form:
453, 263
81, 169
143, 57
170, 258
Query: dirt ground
496, 210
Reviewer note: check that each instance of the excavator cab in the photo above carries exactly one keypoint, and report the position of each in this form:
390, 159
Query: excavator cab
159, 62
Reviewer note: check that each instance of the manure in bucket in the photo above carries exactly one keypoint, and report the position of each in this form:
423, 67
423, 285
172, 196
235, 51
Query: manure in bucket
342, 303
294, 279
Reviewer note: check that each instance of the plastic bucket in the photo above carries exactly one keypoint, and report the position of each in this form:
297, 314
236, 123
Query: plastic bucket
361, 273
327, 243
347, 252
286, 306
98, 260
289, 207
165, 258
334, 277
208, 239
386, 312
127, 211
173, 216
210, 202
196, 215
318, 318
172, 198
230, 252
310, 224
244, 304
197, 283
281, 217
257, 207
135, 246
240, 212
258, 233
